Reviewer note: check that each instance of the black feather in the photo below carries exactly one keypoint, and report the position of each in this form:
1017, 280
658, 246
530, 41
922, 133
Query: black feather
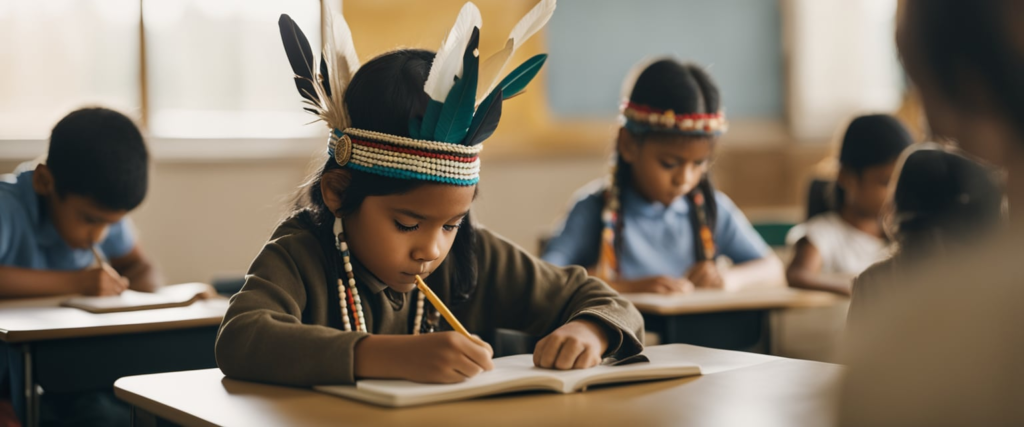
324, 76
300, 56
485, 121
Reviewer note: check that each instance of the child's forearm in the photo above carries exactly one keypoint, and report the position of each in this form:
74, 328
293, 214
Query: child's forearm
762, 273
23, 282
377, 356
442, 357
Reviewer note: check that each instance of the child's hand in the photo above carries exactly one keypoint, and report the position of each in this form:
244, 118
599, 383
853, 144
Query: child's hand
705, 274
576, 345
656, 284
446, 357
102, 281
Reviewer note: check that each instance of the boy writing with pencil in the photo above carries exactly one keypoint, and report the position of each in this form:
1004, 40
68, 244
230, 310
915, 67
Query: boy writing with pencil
64, 230
63, 226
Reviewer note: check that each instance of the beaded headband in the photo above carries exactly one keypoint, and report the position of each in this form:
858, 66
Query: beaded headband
464, 107
398, 157
642, 119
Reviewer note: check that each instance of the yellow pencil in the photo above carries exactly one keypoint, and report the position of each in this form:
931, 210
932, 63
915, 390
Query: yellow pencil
444, 310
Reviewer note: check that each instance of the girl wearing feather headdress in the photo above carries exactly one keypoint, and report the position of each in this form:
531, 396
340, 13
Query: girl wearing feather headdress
332, 297
658, 224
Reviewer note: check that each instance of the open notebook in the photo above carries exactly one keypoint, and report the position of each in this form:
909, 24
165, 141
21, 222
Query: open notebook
168, 296
517, 373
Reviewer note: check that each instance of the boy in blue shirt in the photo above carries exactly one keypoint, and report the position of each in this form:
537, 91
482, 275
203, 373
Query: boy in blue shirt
57, 220
52, 217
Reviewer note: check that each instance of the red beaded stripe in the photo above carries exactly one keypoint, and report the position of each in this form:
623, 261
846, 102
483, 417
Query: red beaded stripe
411, 151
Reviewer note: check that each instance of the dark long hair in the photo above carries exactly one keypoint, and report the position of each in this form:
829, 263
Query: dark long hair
383, 96
869, 141
686, 89
943, 199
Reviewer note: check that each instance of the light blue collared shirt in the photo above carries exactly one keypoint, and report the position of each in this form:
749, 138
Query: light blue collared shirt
657, 240
29, 240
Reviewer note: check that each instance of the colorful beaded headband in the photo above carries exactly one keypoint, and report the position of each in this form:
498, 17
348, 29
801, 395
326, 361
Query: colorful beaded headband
408, 158
641, 119
464, 107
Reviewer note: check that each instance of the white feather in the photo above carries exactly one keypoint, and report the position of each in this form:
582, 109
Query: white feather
448, 61
342, 62
529, 25
345, 49
532, 22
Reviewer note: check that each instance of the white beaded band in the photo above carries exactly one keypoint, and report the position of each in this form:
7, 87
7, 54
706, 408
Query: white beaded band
443, 147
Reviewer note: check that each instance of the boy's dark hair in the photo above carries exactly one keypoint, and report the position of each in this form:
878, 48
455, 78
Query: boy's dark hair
100, 154
383, 96
942, 198
667, 84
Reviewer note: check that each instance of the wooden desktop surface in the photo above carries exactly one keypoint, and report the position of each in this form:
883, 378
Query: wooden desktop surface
736, 389
40, 319
709, 301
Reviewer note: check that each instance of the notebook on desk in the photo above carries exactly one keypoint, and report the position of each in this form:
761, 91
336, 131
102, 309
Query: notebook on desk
129, 300
517, 373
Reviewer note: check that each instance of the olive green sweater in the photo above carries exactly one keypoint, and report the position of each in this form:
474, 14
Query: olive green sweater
284, 326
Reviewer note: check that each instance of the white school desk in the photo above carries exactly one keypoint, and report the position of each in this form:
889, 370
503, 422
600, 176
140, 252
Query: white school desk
67, 349
732, 320
737, 389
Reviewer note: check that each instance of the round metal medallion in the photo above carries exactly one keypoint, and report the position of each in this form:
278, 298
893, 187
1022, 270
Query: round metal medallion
343, 150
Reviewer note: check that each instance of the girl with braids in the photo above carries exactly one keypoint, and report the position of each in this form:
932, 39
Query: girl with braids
659, 224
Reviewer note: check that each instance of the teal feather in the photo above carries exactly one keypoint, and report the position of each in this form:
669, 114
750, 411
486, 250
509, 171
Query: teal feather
457, 113
415, 124
430, 117
516, 81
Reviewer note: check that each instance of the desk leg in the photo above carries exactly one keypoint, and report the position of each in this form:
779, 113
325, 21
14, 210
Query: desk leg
143, 418
767, 331
31, 390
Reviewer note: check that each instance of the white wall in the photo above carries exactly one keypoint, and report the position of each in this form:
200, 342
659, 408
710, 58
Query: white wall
207, 219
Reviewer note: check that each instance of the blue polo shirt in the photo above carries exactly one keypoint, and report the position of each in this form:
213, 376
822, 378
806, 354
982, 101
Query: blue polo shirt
28, 238
657, 240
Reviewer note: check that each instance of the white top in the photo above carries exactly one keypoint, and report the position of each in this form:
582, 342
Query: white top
844, 249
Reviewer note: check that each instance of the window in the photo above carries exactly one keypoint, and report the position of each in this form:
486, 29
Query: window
211, 69
842, 62
216, 69
59, 55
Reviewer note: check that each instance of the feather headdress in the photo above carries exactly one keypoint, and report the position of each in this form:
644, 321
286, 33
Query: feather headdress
465, 97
